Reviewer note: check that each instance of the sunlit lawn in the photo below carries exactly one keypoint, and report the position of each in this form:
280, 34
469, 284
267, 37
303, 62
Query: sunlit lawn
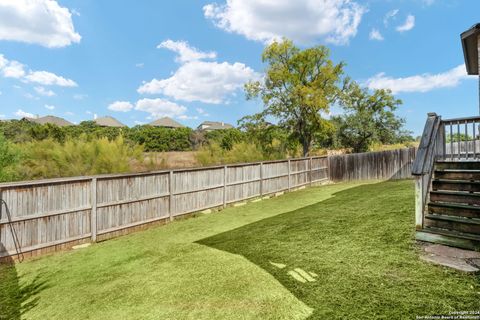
342, 251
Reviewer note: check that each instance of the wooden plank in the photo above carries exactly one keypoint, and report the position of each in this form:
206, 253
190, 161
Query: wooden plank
224, 186
261, 178
289, 175
170, 191
44, 245
122, 202
45, 215
449, 240
93, 211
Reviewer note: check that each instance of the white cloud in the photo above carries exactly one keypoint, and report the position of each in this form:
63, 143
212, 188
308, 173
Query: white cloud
158, 108
408, 25
69, 113
428, 2
185, 52
22, 114
2, 116
49, 107
28, 95
42, 22
79, 96
13, 69
375, 35
140, 65
302, 20
44, 92
202, 112
48, 79
197, 80
120, 106
390, 15
419, 83
185, 117
208, 82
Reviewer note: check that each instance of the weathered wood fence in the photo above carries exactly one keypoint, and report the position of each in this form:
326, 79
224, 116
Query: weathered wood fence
49, 213
56, 213
382, 165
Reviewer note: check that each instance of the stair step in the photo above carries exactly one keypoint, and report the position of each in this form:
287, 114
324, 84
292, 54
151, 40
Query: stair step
455, 197
449, 238
469, 165
458, 174
453, 223
443, 217
456, 234
452, 209
456, 185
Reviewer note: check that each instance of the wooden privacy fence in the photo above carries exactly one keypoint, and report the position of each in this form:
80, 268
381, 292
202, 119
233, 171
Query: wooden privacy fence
382, 165
46, 215
49, 214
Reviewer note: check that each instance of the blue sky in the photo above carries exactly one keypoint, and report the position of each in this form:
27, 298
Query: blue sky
139, 60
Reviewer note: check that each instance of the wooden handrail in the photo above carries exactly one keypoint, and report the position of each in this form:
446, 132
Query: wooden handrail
463, 119
427, 145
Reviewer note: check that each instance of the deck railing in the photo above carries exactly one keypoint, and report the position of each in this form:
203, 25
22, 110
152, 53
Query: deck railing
462, 139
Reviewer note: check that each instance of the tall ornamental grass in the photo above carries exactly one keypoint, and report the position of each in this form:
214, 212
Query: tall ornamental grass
77, 157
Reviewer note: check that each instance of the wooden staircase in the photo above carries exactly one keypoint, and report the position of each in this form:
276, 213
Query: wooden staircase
452, 213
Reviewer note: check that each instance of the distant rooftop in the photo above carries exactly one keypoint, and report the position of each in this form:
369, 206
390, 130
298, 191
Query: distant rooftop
166, 122
108, 122
214, 125
50, 119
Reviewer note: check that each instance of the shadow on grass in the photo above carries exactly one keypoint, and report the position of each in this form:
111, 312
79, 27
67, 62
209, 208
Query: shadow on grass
352, 257
16, 298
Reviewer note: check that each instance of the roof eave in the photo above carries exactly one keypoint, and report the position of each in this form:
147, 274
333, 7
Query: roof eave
470, 49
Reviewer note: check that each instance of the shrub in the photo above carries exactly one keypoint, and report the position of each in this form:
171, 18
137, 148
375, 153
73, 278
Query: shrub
161, 139
9, 158
213, 153
76, 157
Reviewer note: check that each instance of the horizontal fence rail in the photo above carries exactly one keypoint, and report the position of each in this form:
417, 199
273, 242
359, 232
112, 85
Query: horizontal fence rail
47, 215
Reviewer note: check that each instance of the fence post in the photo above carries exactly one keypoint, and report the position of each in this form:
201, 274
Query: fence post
328, 168
93, 216
289, 183
419, 204
224, 187
170, 191
261, 179
311, 171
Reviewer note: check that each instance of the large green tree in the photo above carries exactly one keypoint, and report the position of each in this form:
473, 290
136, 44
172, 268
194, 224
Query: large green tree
368, 118
298, 86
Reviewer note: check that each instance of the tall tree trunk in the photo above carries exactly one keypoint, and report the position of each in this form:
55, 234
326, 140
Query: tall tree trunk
306, 147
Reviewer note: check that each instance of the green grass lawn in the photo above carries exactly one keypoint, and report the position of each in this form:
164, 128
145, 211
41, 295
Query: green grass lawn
342, 251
